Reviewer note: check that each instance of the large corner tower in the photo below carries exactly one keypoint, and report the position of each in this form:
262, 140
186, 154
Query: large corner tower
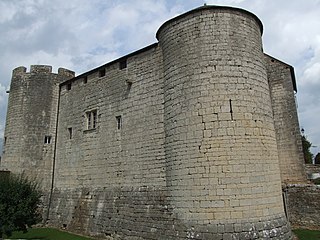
31, 121
221, 149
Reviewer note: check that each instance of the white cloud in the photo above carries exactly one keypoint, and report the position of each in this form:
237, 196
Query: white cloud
312, 73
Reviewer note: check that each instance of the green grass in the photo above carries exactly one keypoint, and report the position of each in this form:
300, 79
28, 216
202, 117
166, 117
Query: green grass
304, 234
46, 234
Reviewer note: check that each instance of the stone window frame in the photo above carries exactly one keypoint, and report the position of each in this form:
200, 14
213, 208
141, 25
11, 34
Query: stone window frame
91, 119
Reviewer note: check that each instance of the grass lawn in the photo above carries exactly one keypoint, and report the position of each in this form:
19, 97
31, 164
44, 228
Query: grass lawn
46, 234
304, 234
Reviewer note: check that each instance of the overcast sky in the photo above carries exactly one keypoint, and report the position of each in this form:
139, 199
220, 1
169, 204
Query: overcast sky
82, 34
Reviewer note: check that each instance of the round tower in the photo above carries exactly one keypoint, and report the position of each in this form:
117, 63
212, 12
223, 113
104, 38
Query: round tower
222, 161
31, 121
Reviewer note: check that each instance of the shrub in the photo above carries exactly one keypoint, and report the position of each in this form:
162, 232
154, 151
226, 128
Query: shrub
19, 202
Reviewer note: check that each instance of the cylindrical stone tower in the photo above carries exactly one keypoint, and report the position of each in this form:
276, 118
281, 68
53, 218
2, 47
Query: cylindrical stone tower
222, 162
31, 121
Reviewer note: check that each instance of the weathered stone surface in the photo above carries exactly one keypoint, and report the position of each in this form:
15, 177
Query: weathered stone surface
31, 121
134, 214
303, 205
282, 83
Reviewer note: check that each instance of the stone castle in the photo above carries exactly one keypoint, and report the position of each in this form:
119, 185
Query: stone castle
192, 137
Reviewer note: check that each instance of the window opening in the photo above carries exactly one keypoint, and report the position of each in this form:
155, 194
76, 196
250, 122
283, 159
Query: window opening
47, 139
94, 119
91, 119
85, 80
69, 86
102, 72
123, 64
5, 141
70, 132
119, 122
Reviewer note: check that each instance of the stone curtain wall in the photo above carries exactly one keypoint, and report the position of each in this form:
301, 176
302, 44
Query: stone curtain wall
110, 180
313, 171
106, 155
303, 205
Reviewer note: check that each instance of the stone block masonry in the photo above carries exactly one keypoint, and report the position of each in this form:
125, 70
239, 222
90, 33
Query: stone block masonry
179, 140
283, 87
31, 121
303, 205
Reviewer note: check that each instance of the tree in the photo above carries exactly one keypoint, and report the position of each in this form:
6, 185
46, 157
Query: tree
19, 204
317, 159
306, 149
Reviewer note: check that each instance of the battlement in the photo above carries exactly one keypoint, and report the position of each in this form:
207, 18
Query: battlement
66, 72
19, 70
45, 69
40, 69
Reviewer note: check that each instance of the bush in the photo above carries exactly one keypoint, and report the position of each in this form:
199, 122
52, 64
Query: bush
19, 202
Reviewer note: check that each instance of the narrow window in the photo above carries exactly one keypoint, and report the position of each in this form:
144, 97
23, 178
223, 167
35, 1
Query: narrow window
85, 79
91, 119
70, 132
5, 141
102, 72
94, 119
123, 64
47, 139
69, 86
119, 122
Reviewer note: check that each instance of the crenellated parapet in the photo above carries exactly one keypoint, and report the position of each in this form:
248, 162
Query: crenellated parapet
19, 71
66, 73
42, 69
36, 69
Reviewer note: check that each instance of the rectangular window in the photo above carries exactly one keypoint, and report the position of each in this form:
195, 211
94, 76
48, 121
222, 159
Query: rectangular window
119, 122
91, 119
123, 64
70, 132
69, 86
85, 80
47, 139
5, 141
94, 119
102, 72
